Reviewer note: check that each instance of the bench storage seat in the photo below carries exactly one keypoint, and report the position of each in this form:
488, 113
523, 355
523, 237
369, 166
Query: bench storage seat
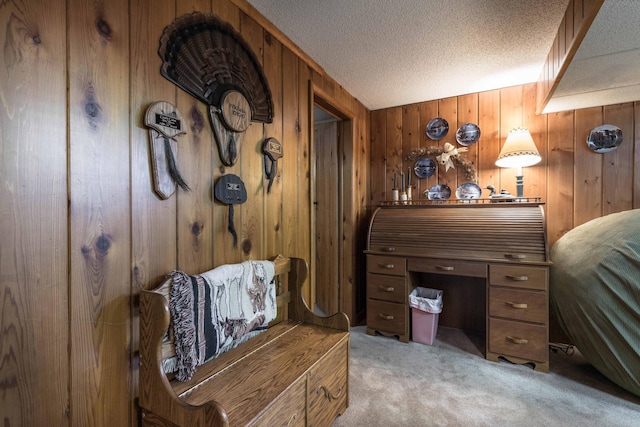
295, 373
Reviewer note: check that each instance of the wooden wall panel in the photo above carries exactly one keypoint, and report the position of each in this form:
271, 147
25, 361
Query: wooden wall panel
489, 144
575, 183
428, 111
560, 195
194, 222
153, 221
289, 162
378, 175
273, 215
34, 323
393, 155
618, 164
100, 238
410, 141
467, 113
249, 220
511, 108
448, 110
587, 168
535, 183
223, 250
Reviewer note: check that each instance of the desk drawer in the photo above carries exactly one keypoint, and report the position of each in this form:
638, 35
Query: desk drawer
386, 265
524, 340
518, 276
387, 316
445, 266
387, 288
517, 304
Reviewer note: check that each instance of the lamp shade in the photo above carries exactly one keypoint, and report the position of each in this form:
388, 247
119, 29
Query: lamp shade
519, 150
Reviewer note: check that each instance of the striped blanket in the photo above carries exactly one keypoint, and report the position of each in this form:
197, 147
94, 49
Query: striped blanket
215, 311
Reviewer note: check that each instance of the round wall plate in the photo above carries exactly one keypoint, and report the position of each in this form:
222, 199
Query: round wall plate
605, 138
424, 167
437, 128
468, 134
468, 190
438, 192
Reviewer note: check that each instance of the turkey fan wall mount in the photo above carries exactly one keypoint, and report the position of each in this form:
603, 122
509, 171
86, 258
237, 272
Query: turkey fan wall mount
207, 58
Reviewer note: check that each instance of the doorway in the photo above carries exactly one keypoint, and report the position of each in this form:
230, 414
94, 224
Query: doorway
334, 174
327, 208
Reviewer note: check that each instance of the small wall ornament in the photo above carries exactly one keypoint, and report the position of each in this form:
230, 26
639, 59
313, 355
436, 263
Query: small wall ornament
448, 150
605, 138
165, 123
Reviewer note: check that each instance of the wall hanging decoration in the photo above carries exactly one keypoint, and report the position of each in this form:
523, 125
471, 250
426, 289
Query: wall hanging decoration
449, 152
468, 190
462, 162
207, 58
230, 190
165, 123
424, 167
468, 134
605, 138
272, 150
437, 128
438, 192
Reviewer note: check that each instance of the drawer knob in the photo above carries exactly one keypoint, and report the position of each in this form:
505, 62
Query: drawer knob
387, 266
388, 249
386, 288
516, 304
444, 267
385, 316
518, 278
515, 256
517, 340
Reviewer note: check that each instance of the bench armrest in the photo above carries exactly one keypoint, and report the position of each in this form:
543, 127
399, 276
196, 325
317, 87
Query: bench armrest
156, 393
298, 308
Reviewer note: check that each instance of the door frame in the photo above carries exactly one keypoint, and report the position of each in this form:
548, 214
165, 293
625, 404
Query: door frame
346, 211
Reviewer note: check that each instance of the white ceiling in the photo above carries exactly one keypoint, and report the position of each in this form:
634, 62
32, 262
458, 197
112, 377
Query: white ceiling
396, 52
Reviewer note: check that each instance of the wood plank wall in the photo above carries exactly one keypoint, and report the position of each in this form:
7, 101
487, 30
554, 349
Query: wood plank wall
576, 184
82, 230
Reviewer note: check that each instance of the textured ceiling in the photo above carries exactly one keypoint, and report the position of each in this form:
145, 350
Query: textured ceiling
396, 52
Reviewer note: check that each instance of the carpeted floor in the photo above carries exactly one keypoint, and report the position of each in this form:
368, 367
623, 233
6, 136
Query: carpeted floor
451, 384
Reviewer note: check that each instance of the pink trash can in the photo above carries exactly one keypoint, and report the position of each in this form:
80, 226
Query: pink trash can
425, 326
426, 305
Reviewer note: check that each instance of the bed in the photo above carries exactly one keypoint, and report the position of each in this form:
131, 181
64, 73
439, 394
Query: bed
595, 294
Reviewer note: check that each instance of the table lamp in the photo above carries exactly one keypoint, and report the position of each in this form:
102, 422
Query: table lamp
518, 151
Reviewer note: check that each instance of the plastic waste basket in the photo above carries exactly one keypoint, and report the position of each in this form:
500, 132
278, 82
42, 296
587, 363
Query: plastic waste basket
426, 306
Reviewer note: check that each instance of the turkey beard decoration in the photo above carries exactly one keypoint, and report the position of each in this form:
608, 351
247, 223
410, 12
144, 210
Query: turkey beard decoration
207, 58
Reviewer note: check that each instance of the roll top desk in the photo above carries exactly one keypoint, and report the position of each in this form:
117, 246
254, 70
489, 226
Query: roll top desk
492, 258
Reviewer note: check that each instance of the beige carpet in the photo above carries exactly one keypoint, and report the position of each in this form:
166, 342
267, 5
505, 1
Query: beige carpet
451, 384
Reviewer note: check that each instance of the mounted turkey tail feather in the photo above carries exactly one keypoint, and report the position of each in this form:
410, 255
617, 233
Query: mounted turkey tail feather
207, 57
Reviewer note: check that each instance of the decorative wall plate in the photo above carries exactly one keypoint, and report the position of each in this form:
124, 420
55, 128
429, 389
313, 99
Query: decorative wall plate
437, 128
605, 138
424, 167
468, 190
438, 192
468, 134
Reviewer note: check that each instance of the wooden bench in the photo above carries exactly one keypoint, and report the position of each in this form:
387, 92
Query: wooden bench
295, 373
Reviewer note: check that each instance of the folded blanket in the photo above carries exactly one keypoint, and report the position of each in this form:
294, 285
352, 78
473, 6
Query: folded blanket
215, 311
